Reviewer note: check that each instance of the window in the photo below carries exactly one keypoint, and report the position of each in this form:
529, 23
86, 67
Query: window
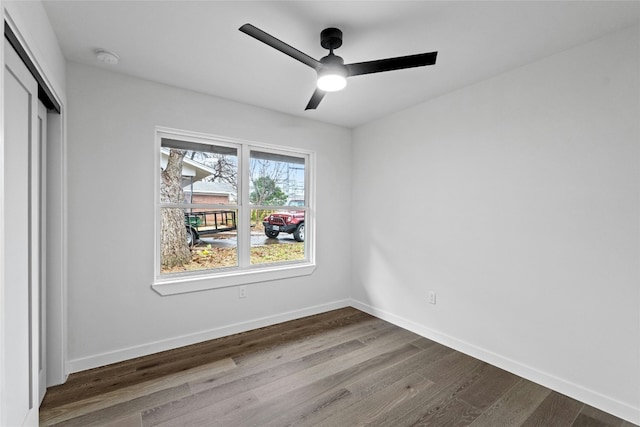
230, 212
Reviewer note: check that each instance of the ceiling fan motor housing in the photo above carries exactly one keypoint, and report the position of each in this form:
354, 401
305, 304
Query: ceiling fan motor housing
332, 60
331, 38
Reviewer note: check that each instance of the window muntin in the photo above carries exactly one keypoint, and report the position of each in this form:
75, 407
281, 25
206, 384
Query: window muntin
238, 245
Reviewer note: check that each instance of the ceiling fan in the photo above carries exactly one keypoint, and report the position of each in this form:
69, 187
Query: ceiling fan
332, 71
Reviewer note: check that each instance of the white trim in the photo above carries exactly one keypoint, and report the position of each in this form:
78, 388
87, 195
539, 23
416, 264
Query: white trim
56, 249
202, 282
94, 361
244, 214
582, 394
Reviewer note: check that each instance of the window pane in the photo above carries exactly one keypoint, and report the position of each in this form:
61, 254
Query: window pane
198, 239
277, 236
276, 179
198, 173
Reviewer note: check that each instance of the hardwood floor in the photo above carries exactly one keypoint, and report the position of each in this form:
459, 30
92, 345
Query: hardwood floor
341, 368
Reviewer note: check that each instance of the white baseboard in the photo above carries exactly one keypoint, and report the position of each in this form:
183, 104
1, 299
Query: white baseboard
103, 359
590, 397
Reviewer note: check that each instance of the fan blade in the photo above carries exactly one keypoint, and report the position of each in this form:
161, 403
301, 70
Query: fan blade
390, 64
268, 39
315, 99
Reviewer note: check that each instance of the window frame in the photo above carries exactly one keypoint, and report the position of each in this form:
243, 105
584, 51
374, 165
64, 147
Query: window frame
244, 272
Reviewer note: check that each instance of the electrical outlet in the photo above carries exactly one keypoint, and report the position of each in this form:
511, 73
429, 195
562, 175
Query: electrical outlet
242, 292
432, 297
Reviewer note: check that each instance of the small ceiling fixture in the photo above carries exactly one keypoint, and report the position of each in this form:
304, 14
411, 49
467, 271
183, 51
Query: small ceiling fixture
332, 71
107, 57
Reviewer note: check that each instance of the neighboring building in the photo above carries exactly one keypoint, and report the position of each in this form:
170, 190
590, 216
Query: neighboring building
210, 192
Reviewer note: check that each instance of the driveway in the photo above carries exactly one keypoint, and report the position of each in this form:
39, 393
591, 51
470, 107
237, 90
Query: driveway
257, 239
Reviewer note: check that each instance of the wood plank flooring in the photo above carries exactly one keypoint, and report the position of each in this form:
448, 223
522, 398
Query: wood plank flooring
341, 368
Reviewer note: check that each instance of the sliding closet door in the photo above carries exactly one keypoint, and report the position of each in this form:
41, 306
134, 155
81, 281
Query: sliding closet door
38, 241
20, 298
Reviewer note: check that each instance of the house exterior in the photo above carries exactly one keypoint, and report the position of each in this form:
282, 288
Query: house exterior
210, 193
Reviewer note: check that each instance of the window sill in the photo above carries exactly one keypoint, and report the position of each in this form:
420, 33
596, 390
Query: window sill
184, 284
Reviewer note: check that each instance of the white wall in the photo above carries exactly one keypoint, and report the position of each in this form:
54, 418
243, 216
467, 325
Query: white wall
113, 312
518, 201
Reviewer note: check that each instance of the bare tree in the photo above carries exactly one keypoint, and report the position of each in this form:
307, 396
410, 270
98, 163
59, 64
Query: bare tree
224, 166
259, 171
173, 235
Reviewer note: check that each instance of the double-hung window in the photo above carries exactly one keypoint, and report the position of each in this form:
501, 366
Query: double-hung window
230, 212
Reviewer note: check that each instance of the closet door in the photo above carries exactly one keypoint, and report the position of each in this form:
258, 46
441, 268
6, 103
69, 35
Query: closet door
20, 311
38, 241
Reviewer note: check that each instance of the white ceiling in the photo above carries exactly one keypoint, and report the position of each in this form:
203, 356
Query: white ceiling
197, 45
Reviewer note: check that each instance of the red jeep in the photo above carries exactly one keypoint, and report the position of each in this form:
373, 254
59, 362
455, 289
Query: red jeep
285, 222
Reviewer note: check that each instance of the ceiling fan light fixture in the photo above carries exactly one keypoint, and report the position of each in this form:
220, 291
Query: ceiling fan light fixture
332, 81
